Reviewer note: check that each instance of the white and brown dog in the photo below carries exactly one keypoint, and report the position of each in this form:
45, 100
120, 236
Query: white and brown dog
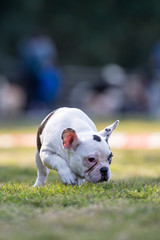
68, 141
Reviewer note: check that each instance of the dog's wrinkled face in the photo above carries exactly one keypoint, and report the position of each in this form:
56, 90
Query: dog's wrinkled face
89, 154
94, 160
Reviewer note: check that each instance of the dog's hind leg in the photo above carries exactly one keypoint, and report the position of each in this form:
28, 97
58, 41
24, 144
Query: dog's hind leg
42, 171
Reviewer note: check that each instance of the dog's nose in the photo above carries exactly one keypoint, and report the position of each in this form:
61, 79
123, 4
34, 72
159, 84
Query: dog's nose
104, 171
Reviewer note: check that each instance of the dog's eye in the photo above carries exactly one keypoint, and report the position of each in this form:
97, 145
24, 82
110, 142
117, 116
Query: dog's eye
91, 159
110, 158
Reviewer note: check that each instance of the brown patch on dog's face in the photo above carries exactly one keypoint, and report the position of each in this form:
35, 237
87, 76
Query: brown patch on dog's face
40, 130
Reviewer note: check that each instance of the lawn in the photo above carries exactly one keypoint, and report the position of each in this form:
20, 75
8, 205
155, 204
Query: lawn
126, 208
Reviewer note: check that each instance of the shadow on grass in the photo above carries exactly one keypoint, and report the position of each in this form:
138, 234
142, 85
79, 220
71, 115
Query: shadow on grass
22, 175
14, 173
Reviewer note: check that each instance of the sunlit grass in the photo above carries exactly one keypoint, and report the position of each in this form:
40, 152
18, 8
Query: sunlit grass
130, 125
133, 126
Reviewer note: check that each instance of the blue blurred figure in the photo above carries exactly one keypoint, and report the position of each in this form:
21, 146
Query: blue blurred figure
49, 83
154, 89
42, 78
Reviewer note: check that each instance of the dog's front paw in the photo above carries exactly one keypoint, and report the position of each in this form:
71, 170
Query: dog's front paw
67, 177
80, 181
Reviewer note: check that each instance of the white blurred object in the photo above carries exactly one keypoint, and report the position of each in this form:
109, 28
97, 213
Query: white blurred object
12, 98
114, 74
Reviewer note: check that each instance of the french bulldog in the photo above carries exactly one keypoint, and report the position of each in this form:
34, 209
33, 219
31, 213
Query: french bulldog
68, 141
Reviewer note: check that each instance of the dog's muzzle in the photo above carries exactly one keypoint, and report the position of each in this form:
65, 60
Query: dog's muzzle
104, 174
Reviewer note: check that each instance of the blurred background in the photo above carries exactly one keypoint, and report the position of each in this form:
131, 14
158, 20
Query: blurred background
100, 56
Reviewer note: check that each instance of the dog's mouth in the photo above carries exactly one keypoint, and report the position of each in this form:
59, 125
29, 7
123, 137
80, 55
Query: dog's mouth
97, 176
94, 175
104, 178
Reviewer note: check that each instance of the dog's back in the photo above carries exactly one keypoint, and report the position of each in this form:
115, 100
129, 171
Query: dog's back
62, 118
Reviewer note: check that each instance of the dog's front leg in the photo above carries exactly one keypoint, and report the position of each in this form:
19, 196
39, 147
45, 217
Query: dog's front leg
54, 161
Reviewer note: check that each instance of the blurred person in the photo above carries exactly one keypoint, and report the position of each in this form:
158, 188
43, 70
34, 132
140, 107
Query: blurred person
41, 75
104, 103
154, 88
135, 94
154, 97
104, 97
12, 98
117, 92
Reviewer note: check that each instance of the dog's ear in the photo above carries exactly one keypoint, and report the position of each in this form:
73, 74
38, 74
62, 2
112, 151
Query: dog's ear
108, 130
70, 139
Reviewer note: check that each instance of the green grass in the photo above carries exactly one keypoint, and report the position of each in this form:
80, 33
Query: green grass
125, 208
128, 207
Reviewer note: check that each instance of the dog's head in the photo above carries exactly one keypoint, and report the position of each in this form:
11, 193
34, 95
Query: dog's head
89, 153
